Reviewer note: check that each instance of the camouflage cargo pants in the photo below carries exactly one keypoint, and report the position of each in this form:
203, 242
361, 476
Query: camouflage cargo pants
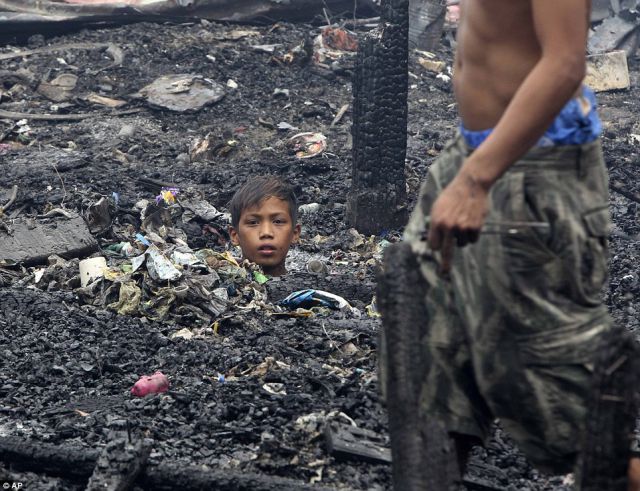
514, 328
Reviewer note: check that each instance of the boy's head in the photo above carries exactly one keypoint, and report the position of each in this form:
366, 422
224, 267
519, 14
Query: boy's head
264, 215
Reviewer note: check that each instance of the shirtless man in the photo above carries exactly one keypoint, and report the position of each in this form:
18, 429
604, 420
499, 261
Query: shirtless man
515, 314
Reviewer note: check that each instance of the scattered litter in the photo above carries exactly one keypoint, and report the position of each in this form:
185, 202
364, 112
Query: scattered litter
307, 145
98, 216
207, 148
316, 266
104, 101
142, 239
340, 114
281, 92
314, 423
182, 93
274, 388
168, 195
160, 268
129, 297
232, 84
309, 208
260, 278
150, 384
91, 269
334, 45
372, 309
60, 88
286, 126
340, 39
432, 65
267, 48
309, 298
608, 71
238, 34
183, 333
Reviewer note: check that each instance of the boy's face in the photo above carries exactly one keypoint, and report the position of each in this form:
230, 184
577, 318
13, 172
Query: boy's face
264, 234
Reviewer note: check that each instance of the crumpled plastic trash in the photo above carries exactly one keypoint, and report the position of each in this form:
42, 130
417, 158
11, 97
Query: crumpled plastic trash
123, 249
150, 384
168, 195
307, 145
160, 268
307, 299
129, 298
333, 44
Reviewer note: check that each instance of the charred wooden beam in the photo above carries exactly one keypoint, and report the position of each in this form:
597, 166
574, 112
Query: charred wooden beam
78, 464
346, 442
423, 457
377, 199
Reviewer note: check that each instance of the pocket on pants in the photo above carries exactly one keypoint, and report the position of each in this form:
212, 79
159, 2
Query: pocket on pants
593, 271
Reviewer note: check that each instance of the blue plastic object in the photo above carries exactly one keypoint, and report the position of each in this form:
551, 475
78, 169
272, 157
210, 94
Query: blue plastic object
306, 299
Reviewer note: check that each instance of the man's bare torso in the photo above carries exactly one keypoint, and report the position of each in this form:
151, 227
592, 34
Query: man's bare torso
497, 48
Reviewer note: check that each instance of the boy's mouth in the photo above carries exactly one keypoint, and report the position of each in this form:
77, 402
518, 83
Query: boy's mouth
267, 250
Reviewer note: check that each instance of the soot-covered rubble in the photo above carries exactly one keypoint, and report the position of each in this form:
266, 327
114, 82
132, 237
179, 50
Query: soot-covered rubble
251, 386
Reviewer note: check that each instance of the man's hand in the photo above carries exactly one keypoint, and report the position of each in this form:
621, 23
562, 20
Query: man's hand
457, 215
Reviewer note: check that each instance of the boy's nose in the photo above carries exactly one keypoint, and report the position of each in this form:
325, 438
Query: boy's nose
266, 230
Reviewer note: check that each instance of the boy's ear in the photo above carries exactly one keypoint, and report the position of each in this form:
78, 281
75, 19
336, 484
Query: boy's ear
296, 233
233, 233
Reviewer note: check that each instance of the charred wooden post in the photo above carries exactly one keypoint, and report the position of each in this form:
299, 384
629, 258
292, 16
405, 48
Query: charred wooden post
377, 199
611, 414
423, 457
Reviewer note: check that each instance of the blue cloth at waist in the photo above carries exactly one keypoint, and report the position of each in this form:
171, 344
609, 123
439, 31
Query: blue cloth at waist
571, 126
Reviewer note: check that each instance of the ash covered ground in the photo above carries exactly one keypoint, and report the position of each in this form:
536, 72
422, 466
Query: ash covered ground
68, 360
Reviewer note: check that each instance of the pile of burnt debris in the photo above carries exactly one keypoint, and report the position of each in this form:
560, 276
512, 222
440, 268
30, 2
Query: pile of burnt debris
120, 149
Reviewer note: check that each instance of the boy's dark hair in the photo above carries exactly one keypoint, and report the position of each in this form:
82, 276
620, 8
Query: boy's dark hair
256, 190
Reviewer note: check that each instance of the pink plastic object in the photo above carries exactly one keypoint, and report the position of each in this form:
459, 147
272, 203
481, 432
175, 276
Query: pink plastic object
150, 384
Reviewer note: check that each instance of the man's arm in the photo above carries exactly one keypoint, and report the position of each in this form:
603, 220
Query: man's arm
562, 28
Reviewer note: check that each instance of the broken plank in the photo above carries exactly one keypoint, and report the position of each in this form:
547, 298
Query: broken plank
347, 442
620, 188
32, 241
608, 71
